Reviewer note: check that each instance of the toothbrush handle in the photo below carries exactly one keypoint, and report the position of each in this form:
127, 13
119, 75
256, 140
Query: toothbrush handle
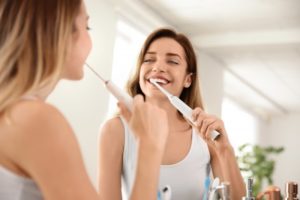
120, 94
187, 113
214, 134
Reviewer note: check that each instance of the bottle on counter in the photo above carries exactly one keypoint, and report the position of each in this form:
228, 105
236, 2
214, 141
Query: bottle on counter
249, 190
271, 193
291, 191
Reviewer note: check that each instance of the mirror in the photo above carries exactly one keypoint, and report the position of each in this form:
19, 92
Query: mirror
249, 54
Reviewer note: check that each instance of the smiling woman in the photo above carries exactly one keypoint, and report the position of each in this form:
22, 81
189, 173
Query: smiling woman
174, 50
169, 58
162, 54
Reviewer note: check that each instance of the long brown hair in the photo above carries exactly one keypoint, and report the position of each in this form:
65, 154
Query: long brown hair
35, 36
192, 95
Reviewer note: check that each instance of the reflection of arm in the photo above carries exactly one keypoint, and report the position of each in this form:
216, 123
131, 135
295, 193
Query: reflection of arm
214, 161
223, 161
46, 148
111, 146
225, 167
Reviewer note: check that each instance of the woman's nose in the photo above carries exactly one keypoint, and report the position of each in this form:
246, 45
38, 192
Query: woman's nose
158, 67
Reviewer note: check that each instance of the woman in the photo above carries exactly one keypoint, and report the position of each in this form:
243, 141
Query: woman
169, 58
42, 42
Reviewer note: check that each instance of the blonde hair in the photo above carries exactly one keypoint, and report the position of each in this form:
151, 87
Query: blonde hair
35, 36
192, 95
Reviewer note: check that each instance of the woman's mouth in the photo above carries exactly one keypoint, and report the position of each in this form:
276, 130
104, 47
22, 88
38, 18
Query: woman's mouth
160, 81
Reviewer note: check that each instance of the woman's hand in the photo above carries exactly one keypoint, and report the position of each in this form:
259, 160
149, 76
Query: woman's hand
148, 122
223, 161
205, 124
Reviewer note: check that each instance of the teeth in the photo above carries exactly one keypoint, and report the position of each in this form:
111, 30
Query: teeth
158, 80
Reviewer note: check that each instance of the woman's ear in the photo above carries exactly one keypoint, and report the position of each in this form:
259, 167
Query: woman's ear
188, 80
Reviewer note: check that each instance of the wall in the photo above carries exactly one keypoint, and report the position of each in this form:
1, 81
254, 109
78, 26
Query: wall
211, 81
284, 131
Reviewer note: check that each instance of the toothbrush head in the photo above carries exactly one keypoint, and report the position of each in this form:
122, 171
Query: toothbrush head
167, 188
166, 192
153, 81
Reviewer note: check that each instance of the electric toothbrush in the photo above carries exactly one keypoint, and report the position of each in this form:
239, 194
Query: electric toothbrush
114, 90
166, 193
185, 110
207, 182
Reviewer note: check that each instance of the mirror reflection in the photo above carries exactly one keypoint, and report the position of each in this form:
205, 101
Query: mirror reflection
248, 56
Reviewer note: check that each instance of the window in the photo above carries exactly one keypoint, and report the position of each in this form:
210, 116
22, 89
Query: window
241, 126
127, 47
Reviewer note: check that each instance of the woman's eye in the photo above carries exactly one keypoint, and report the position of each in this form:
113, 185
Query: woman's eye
173, 62
148, 60
88, 28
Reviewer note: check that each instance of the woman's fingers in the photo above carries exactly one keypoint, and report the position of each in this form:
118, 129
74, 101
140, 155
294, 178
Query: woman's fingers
196, 113
206, 123
138, 101
148, 122
210, 128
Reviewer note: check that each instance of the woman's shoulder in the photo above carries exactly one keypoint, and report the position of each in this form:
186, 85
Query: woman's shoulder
113, 124
36, 129
37, 120
112, 131
33, 114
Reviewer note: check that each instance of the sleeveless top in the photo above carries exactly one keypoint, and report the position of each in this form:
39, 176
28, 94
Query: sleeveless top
186, 178
16, 187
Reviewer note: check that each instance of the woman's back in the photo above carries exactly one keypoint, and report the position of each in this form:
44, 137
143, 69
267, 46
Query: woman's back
14, 185
39, 154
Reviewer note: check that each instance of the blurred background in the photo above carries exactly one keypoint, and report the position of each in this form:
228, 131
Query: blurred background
249, 60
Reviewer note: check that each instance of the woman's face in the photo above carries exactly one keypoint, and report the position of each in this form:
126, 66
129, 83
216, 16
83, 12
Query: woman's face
80, 49
165, 61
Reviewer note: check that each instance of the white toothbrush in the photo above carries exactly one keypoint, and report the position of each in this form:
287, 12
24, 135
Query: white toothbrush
185, 110
166, 193
114, 90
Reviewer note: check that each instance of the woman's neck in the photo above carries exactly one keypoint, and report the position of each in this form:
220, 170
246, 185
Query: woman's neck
175, 119
41, 93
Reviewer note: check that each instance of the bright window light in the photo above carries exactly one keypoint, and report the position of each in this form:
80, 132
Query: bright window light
128, 43
241, 126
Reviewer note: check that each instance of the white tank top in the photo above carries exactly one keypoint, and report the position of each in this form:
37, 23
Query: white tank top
186, 178
15, 187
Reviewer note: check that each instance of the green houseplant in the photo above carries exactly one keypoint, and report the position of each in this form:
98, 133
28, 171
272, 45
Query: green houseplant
256, 161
